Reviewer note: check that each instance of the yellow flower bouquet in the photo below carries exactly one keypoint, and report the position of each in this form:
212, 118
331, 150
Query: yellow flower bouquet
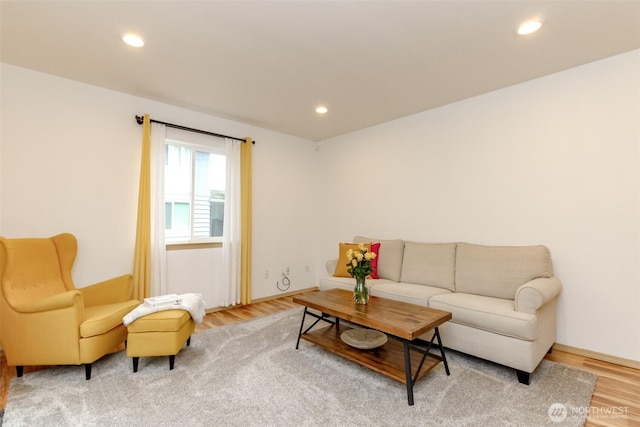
359, 267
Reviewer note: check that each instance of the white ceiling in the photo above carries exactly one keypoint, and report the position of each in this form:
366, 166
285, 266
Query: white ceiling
269, 63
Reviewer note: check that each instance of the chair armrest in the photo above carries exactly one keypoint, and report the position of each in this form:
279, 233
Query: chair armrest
53, 302
331, 266
110, 291
536, 293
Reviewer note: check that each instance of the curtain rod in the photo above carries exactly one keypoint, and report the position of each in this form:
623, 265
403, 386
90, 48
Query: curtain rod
140, 120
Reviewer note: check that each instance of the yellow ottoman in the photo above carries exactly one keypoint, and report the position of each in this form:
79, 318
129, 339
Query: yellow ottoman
159, 334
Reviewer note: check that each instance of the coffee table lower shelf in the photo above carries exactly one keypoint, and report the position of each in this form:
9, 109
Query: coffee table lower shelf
387, 360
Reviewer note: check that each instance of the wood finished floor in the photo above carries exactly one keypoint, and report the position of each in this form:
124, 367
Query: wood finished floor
617, 389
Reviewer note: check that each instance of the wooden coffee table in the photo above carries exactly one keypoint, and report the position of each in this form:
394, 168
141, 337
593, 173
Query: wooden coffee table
404, 358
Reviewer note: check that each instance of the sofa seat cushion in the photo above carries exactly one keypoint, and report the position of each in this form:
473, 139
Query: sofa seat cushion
100, 319
495, 315
407, 292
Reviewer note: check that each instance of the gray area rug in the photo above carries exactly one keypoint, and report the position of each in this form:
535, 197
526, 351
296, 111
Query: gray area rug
250, 374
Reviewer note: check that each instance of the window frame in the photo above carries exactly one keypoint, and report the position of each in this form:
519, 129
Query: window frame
216, 147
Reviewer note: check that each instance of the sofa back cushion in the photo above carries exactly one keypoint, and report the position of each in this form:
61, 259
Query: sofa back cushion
498, 271
389, 256
430, 264
31, 270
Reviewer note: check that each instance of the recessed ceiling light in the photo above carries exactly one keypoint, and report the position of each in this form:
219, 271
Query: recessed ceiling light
528, 27
132, 40
321, 110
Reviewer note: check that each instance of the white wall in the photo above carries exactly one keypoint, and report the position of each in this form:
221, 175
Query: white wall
553, 161
69, 162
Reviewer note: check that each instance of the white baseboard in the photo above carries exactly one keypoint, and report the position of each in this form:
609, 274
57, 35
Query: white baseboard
284, 294
598, 356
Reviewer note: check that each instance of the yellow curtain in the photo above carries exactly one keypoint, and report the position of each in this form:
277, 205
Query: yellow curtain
245, 218
142, 257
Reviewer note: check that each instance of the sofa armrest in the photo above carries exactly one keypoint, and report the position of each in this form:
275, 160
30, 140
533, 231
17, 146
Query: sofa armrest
536, 293
331, 266
110, 291
50, 303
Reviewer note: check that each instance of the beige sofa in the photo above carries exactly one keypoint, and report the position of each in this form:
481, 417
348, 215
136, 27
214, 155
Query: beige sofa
502, 298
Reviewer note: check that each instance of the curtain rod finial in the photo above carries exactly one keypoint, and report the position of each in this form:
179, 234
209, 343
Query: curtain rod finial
139, 119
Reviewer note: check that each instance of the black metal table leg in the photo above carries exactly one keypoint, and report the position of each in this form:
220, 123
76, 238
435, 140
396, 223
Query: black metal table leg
321, 317
301, 326
407, 370
444, 358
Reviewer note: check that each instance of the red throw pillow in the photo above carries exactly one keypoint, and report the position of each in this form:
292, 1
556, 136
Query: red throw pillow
375, 248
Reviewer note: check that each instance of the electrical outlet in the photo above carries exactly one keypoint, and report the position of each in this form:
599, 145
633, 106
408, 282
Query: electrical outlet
266, 274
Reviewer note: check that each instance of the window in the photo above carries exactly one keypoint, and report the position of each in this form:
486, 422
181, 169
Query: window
194, 189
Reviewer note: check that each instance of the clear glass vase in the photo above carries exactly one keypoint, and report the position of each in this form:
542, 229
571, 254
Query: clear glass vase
361, 292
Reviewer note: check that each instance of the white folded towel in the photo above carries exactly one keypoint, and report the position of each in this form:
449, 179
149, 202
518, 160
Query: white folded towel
193, 303
163, 299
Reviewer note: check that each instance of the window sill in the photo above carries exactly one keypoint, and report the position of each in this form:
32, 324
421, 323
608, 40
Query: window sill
202, 245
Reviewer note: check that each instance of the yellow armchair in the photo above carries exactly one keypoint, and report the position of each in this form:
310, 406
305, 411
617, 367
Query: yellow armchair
44, 318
